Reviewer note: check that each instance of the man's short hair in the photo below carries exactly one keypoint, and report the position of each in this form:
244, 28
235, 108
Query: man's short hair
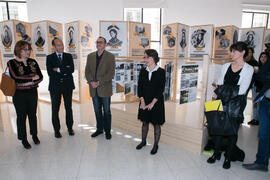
103, 39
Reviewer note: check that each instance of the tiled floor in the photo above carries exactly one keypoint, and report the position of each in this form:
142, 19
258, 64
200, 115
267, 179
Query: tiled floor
81, 157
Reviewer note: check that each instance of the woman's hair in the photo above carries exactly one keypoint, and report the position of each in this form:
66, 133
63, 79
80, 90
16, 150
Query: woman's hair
152, 53
263, 53
240, 46
19, 46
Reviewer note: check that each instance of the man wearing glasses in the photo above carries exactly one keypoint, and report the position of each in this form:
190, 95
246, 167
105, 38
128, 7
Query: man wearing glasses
99, 72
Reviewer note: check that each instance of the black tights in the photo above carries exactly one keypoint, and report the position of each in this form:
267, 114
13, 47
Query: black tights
157, 132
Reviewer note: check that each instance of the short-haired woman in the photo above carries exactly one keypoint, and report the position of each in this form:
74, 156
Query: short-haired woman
233, 84
27, 75
151, 86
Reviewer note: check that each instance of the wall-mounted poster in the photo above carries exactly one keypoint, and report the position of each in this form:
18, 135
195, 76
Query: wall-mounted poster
201, 38
225, 36
12, 31
86, 39
119, 76
23, 31
254, 39
169, 40
188, 84
139, 38
128, 77
183, 40
137, 68
40, 39
43, 33
7, 41
116, 34
72, 42
266, 42
169, 81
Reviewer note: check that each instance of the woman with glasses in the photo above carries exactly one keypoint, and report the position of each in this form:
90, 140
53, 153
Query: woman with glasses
151, 86
27, 75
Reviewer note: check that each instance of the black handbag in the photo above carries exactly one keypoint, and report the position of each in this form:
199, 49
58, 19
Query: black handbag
219, 123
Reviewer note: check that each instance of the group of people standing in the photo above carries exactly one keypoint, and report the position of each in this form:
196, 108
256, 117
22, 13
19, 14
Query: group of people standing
99, 72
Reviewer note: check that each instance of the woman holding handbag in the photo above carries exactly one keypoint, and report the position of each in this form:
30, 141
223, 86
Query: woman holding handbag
232, 87
27, 75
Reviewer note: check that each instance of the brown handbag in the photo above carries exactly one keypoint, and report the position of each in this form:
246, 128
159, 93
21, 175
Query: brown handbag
8, 85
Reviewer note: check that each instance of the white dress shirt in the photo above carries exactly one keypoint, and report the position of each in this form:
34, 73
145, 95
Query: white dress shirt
150, 72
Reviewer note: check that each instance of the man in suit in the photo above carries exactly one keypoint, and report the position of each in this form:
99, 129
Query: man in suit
60, 67
99, 72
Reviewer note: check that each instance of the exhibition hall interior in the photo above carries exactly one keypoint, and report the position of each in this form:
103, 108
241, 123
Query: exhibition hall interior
192, 39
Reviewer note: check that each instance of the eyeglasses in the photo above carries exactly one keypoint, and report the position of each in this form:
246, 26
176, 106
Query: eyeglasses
99, 42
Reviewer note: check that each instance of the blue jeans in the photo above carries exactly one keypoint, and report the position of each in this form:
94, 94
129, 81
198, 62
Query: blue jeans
263, 153
104, 117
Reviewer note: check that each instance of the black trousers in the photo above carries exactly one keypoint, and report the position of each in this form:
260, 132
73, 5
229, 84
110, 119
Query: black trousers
25, 102
56, 101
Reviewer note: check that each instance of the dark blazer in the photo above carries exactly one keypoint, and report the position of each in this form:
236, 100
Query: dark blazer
62, 80
105, 73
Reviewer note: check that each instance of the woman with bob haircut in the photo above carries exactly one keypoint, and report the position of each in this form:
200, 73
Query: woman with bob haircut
27, 75
151, 86
232, 87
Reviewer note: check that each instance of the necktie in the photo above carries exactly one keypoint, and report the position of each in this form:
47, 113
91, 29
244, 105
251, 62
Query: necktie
60, 58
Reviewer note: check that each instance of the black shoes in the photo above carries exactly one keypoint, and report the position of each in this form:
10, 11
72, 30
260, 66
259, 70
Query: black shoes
255, 166
95, 134
57, 134
154, 150
71, 132
26, 144
36, 140
253, 122
213, 158
227, 163
108, 135
140, 146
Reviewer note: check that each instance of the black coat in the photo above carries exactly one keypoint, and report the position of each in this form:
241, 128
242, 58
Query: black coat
62, 80
150, 90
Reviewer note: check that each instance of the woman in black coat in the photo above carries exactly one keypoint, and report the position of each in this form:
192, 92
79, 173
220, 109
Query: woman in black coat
151, 86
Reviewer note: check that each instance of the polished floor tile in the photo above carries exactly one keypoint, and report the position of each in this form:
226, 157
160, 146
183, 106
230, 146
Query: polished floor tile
81, 157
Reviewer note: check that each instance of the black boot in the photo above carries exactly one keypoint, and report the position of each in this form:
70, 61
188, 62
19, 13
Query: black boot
213, 158
227, 163
36, 140
26, 144
154, 150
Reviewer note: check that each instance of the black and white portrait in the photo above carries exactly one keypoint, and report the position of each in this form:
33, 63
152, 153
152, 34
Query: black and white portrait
250, 39
70, 32
21, 30
40, 40
183, 42
197, 38
235, 36
145, 41
140, 30
53, 30
86, 36
221, 35
167, 31
113, 31
6, 36
267, 39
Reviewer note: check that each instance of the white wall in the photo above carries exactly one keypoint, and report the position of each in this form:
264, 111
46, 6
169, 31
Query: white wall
64, 11
190, 12
196, 12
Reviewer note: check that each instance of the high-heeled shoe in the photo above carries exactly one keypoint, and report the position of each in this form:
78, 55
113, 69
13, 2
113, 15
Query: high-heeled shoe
227, 163
140, 146
213, 158
154, 150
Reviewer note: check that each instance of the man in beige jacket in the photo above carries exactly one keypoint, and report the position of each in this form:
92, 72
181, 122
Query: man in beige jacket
99, 72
